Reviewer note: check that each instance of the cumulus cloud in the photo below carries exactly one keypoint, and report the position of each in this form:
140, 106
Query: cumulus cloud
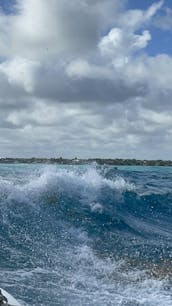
20, 72
76, 79
120, 44
81, 68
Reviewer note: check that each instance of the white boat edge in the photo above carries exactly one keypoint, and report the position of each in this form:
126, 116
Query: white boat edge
11, 300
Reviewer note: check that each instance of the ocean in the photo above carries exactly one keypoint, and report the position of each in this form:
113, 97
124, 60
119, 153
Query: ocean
86, 235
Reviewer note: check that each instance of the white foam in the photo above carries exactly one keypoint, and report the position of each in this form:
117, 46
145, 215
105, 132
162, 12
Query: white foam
72, 178
99, 281
96, 207
81, 277
94, 178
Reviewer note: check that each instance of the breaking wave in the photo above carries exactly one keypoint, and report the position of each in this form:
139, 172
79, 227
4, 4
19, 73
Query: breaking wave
86, 235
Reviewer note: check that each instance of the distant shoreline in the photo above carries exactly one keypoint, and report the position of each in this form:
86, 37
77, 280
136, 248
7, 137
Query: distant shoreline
77, 161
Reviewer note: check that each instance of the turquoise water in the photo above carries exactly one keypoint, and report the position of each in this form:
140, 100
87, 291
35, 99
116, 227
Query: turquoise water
86, 235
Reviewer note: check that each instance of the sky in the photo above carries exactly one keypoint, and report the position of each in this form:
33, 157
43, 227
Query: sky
86, 78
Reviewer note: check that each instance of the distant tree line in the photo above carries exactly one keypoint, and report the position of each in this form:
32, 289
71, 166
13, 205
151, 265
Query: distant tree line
77, 161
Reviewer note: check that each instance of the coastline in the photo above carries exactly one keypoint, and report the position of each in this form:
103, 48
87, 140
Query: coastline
77, 161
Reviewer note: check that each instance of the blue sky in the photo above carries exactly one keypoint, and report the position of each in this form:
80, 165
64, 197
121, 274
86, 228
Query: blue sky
86, 78
8, 6
161, 40
143, 4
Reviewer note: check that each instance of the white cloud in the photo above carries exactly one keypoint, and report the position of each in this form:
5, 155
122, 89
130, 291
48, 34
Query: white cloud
20, 72
155, 71
75, 79
44, 29
152, 10
135, 19
82, 69
157, 118
119, 45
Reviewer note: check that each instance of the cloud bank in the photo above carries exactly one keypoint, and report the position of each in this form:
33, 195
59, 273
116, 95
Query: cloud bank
76, 79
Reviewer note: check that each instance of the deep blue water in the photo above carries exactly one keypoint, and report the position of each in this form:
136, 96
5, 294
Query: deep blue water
86, 235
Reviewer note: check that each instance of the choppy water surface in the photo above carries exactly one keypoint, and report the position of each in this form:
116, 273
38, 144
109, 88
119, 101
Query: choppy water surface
86, 235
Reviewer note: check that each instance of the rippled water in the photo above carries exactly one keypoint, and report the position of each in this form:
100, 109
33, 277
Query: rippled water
86, 235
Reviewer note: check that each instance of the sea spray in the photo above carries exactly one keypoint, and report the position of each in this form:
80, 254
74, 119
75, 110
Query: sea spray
86, 235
